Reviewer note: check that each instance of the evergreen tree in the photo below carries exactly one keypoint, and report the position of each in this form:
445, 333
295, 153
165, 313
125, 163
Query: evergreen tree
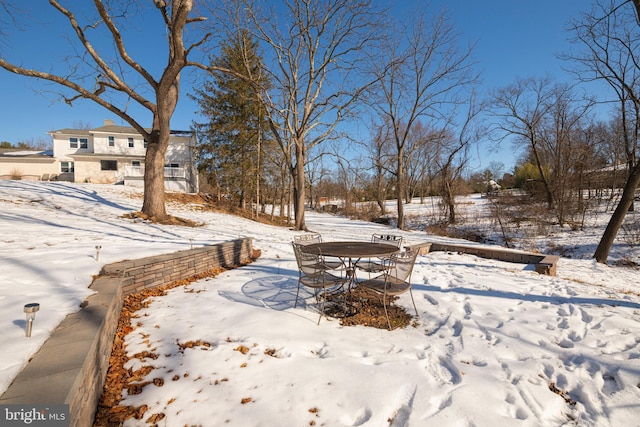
231, 141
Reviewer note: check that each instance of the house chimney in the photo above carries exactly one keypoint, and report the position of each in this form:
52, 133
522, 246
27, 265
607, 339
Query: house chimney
108, 122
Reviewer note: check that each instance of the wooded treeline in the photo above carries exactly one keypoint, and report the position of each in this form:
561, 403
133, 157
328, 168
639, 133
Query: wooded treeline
416, 90
305, 100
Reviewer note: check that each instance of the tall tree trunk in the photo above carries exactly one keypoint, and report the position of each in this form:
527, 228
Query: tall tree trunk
543, 176
284, 186
298, 187
167, 93
153, 201
381, 194
167, 99
400, 191
449, 199
617, 218
258, 167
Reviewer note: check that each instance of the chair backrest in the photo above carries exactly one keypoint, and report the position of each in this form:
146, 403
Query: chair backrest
307, 239
402, 265
308, 264
390, 239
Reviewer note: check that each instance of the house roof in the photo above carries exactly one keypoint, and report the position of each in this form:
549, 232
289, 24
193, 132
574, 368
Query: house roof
129, 129
113, 129
69, 131
26, 156
116, 129
26, 153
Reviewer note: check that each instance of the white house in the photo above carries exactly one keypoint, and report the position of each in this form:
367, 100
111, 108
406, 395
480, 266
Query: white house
107, 154
26, 165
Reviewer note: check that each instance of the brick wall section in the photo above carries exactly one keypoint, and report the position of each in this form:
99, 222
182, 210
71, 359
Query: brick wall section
72, 364
543, 264
158, 270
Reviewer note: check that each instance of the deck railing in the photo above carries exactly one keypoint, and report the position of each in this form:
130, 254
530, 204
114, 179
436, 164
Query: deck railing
138, 171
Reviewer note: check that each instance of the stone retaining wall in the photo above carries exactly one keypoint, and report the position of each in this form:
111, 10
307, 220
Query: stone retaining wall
71, 366
543, 264
146, 273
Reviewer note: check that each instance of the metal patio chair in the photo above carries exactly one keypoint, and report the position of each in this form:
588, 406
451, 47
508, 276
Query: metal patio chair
394, 281
378, 265
312, 272
310, 238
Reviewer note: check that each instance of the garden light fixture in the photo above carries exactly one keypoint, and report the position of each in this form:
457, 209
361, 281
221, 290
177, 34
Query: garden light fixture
31, 309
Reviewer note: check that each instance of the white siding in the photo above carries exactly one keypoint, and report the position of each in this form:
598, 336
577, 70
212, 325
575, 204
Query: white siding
62, 149
14, 167
121, 144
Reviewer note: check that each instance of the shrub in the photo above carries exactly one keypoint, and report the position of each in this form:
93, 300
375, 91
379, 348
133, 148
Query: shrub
631, 230
16, 174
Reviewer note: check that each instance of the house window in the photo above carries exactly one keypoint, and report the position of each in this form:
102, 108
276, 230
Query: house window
73, 143
112, 141
145, 143
108, 165
172, 165
66, 167
130, 142
135, 163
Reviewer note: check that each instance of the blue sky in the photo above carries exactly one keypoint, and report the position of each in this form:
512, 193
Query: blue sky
516, 38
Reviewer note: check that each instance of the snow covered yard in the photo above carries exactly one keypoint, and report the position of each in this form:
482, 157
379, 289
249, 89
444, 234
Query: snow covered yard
495, 344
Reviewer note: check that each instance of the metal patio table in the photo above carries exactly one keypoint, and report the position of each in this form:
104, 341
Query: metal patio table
350, 252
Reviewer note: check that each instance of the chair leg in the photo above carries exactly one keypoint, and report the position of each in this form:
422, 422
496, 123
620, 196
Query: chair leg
297, 293
414, 303
384, 304
324, 294
344, 304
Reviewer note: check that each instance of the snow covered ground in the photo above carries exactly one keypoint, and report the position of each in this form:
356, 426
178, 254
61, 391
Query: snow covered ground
495, 344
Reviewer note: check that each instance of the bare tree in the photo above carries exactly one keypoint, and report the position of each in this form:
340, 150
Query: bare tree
610, 37
563, 148
546, 118
6, 18
378, 154
521, 108
349, 177
453, 156
423, 148
315, 172
108, 75
419, 76
315, 49
495, 170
